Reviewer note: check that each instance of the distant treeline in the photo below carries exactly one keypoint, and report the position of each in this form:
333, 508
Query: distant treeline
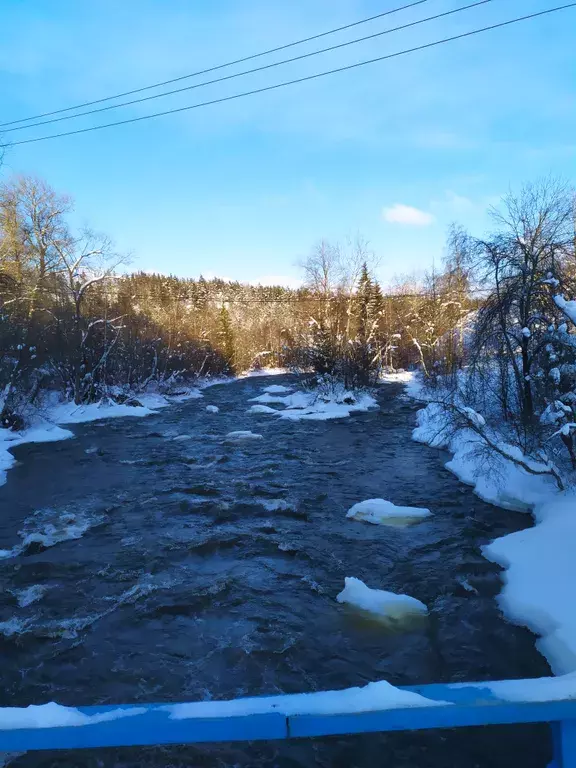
70, 321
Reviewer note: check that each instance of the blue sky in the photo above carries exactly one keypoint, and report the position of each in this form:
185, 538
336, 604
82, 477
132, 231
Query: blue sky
244, 189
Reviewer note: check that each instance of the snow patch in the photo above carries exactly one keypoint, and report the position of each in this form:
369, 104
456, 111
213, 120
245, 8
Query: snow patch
382, 512
568, 307
212, 409
313, 406
374, 696
539, 561
377, 601
277, 389
412, 379
264, 372
54, 715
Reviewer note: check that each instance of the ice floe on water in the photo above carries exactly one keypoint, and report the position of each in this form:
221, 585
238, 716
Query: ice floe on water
262, 409
277, 389
382, 512
387, 605
212, 408
314, 406
241, 435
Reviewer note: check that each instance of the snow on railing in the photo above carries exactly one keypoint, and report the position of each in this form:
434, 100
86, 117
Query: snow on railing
377, 707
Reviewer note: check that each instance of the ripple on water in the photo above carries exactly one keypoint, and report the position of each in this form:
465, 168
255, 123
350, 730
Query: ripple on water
208, 582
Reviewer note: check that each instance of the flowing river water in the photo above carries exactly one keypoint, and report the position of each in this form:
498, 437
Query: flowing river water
151, 569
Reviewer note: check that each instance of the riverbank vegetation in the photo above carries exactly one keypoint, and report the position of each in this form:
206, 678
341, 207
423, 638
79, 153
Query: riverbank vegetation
74, 319
492, 330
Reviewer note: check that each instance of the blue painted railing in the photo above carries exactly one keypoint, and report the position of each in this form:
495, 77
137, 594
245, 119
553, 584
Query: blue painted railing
471, 704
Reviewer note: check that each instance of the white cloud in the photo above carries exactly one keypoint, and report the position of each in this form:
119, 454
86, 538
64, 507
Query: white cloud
406, 214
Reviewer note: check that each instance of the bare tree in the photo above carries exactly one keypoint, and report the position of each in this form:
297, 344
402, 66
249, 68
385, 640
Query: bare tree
532, 239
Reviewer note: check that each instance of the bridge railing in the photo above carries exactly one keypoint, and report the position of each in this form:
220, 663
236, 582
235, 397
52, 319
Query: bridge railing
463, 705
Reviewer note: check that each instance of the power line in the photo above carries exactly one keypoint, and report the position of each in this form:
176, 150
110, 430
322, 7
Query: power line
220, 66
157, 296
297, 80
252, 71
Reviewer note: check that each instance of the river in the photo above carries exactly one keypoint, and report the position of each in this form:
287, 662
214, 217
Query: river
188, 579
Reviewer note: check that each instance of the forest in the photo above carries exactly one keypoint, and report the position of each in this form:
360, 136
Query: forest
490, 329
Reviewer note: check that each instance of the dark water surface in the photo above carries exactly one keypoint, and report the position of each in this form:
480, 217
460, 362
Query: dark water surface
186, 583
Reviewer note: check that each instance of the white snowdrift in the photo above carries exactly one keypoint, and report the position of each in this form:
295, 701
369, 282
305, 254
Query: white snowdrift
503, 484
54, 715
382, 512
560, 688
374, 696
69, 413
541, 577
540, 564
386, 604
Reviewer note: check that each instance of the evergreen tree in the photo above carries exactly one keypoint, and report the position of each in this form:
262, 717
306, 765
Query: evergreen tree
226, 335
363, 297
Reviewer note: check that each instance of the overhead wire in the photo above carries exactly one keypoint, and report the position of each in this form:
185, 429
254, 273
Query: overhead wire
306, 78
221, 66
255, 69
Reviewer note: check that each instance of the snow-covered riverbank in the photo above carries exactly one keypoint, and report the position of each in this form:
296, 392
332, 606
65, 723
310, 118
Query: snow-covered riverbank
46, 423
539, 561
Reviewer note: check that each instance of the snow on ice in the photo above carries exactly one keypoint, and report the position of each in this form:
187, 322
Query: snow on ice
212, 408
311, 406
377, 601
382, 512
